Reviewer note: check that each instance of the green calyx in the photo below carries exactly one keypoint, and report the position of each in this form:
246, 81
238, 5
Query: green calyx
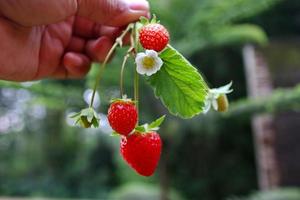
145, 128
86, 118
145, 21
124, 99
154, 126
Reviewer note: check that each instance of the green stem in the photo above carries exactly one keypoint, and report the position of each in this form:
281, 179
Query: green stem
118, 41
136, 90
136, 75
122, 71
122, 75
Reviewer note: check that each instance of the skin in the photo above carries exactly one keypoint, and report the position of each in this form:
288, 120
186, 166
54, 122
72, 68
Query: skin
60, 38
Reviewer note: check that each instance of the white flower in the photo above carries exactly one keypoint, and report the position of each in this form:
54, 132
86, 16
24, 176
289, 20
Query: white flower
213, 95
148, 63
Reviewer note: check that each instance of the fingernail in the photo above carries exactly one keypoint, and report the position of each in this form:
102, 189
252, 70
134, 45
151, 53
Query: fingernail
138, 5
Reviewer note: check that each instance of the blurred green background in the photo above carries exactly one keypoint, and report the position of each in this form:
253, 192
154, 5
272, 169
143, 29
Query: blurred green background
209, 157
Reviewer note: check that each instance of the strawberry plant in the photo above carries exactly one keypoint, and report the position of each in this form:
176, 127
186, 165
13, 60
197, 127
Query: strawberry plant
175, 81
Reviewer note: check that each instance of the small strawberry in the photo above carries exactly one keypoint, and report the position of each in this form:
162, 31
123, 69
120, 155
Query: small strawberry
86, 118
154, 36
217, 98
222, 103
142, 149
122, 116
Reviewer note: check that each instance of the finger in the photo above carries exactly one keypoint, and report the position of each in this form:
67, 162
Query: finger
113, 33
77, 65
109, 31
113, 12
52, 47
83, 27
76, 44
37, 12
86, 28
98, 49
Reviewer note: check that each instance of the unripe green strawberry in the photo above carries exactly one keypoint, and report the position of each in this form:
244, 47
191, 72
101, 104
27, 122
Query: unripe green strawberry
222, 103
122, 116
86, 118
84, 122
154, 36
142, 151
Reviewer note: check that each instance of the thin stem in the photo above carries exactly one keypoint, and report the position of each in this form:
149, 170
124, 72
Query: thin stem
118, 41
122, 71
122, 75
136, 90
99, 76
136, 75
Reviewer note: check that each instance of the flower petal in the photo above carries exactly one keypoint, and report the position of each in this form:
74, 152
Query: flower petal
158, 62
139, 58
151, 53
225, 89
151, 71
206, 107
215, 104
148, 70
140, 69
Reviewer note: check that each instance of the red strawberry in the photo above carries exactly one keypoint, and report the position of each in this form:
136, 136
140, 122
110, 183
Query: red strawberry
122, 116
154, 36
142, 151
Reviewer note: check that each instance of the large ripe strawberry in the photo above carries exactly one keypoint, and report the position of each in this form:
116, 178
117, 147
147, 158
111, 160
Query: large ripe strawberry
142, 151
154, 36
122, 116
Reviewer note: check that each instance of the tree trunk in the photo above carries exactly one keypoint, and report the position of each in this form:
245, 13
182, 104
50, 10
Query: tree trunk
258, 85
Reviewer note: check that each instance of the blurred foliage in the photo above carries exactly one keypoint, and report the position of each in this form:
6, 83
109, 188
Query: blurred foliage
284, 25
280, 100
209, 157
210, 23
53, 164
138, 191
276, 194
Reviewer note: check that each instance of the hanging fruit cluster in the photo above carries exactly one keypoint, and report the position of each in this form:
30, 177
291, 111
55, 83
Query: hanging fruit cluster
176, 83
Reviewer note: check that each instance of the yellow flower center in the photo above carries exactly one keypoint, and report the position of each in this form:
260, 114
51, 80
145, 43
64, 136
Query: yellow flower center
148, 62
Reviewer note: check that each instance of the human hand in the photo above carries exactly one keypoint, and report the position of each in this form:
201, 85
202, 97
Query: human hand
60, 39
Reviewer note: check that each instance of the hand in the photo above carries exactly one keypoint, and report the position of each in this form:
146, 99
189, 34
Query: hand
60, 38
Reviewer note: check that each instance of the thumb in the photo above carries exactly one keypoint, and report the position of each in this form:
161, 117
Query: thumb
113, 12
37, 12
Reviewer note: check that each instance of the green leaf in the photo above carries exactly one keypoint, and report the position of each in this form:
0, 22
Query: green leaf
179, 85
157, 122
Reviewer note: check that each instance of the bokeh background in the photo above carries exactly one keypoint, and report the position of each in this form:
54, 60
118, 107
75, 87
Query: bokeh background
251, 152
